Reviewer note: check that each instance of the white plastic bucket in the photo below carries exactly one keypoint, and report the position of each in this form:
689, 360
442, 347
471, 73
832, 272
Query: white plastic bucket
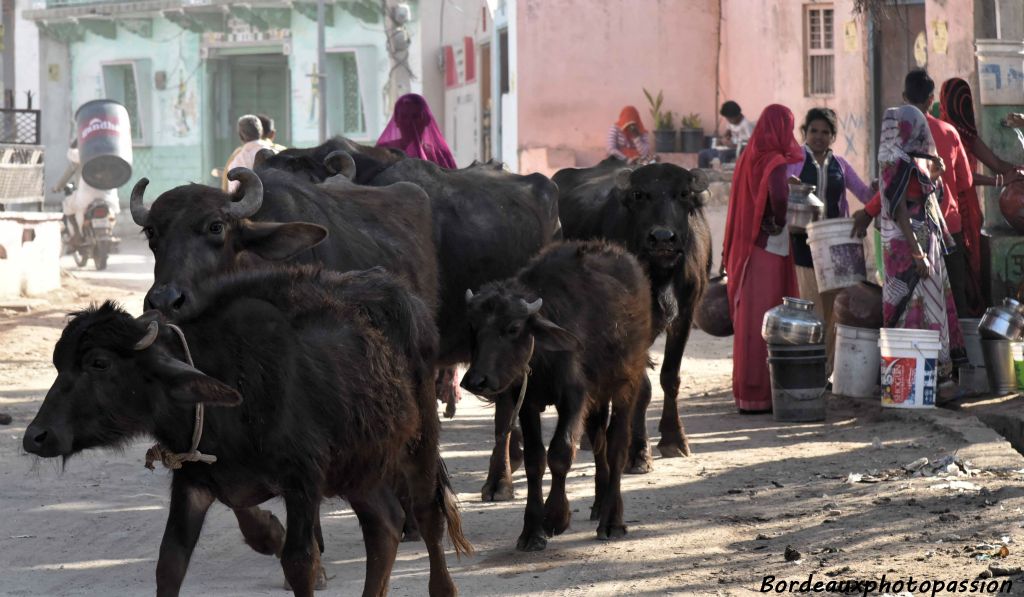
1000, 71
838, 259
857, 357
909, 363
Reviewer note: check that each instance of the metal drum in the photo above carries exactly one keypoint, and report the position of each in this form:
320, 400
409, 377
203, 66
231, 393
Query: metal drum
104, 143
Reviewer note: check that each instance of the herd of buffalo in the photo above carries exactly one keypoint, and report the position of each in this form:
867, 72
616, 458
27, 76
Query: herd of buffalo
299, 332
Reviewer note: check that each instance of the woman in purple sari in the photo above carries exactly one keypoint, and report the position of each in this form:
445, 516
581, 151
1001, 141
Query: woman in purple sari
916, 293
414, 131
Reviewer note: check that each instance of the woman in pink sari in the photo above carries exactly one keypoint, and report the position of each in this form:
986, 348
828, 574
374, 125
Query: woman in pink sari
414, 131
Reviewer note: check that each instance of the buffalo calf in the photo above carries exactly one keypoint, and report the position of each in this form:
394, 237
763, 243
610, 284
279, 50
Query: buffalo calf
573, 325
330, 377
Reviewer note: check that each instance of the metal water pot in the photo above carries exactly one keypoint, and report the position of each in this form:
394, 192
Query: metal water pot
793, 322
1003, 322
804, 206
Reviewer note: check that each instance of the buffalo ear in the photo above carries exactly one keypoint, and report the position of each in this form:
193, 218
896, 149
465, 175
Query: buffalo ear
552, 337
276, 242
188, 385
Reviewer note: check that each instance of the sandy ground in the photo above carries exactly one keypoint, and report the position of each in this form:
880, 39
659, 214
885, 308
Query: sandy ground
712, 524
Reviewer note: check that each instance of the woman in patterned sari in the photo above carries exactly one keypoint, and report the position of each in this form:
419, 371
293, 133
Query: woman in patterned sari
916, 293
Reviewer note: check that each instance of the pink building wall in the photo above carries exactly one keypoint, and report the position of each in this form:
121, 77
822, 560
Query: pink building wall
581, 61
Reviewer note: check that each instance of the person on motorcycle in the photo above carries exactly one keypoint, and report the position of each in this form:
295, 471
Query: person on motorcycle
77, 202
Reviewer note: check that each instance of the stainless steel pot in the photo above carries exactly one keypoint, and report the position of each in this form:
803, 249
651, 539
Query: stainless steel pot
804, 207
793, 322
1003, 322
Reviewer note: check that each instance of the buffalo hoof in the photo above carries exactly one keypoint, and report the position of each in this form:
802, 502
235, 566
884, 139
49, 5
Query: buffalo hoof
502, 491
321, 580
532, 541
640, 463
607, 533
674, 449
557, 518
449, 410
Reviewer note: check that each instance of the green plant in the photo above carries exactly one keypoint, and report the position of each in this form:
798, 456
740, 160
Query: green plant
691, 121
662, 120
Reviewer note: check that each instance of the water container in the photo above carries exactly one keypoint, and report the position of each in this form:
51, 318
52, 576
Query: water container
973, 377
838, 259
1000, 71
798, 382
908, 365
104, 143
855, 372
999, 366
1017, 349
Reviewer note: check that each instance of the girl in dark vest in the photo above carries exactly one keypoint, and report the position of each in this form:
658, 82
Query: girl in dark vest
833, 177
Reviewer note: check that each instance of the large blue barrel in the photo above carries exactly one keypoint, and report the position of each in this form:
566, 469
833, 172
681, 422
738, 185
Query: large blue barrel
104, 143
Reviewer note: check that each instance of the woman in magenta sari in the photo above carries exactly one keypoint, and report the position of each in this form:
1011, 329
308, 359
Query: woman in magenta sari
414, 131
916, 293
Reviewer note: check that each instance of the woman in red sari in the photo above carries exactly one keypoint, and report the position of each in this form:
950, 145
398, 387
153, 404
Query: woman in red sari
756, 250
414, 131
956, 106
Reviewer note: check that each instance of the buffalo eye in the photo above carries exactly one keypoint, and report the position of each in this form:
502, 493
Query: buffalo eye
216, 228
513, 330
149, 232
638, 195
99, 364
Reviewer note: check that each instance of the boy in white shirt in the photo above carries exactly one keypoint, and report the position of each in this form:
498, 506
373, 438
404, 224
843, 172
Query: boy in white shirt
738, 130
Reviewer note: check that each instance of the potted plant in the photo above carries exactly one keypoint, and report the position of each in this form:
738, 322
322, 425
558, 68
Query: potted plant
664, 130
691, 133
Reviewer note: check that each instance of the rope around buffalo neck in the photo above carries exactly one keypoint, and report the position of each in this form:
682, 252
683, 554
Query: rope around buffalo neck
174, 460
522, 391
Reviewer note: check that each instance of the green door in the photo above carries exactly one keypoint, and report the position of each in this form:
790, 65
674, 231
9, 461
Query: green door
252, 84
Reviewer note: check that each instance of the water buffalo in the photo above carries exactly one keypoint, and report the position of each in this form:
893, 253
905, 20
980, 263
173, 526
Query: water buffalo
195, 231
656, 211
574, 326
330, 377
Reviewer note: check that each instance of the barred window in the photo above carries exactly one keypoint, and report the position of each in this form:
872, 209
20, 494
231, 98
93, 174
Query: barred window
345, 112
819, 41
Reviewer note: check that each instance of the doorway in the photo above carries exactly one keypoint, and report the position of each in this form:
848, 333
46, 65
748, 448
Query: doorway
900, 45
247, 84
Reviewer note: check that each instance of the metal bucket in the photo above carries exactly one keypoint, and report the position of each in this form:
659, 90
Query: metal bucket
798, 382
104, 143
999, 366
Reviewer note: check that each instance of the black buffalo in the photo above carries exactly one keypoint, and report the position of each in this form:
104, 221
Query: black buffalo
656, 211
195, 231
331, 380
574, 325
487, 222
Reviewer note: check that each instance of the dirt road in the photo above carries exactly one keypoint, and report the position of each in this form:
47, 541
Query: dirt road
712, 524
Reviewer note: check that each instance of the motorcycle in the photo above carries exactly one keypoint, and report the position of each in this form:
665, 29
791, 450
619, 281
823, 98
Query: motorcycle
96, 239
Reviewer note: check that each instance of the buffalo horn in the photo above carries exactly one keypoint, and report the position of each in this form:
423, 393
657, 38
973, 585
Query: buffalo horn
341, 162
469, 295
700, 181
151, 331
534, 307
251, 191
140, 213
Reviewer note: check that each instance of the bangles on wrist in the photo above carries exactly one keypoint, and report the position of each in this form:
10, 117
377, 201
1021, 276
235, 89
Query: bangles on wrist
999, 180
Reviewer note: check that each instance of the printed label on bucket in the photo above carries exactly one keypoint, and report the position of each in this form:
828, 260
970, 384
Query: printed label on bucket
900, 383
848, 260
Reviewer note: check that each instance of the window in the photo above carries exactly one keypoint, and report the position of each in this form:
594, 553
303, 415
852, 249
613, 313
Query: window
345, 111
125, 82
819, 41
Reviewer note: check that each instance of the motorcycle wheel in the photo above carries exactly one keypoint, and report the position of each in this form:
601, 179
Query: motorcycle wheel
81, 257
100, 255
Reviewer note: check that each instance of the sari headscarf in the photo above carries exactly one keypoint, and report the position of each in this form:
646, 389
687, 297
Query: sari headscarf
413, 130
771, 145
956, 106
630, 115
905, 135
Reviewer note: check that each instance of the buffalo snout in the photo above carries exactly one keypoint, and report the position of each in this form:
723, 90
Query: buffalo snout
659, 237
45, 441
165, 297
477, 382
